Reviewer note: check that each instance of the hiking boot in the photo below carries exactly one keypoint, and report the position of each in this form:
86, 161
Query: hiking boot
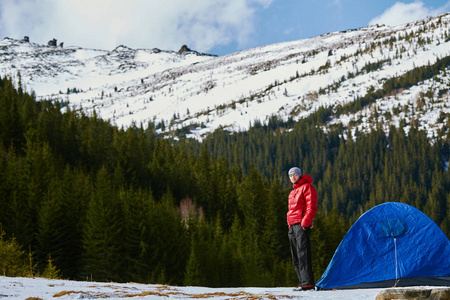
304, 288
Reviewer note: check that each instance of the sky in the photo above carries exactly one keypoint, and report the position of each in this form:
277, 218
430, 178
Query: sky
211, 26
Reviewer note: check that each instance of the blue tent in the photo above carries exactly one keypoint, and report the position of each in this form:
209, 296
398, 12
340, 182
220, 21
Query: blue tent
393, 244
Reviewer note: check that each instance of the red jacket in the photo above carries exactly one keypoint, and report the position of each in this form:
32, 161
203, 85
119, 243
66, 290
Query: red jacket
302, 202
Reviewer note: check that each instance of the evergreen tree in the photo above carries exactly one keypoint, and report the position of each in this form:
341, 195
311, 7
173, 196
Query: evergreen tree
14, 259
169, 244
51, 271
59, 233
137, 206
201, 264
103, 232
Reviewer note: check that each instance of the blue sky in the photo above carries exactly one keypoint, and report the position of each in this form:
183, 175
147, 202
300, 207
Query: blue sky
213, 26
286, 20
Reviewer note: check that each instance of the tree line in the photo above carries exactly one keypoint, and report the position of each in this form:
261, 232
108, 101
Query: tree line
105, 203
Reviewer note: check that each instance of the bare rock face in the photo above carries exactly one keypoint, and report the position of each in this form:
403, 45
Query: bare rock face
52, 43
418, 294
440, 294
183, 49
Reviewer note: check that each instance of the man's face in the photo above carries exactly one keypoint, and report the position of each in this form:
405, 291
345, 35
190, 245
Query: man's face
294, 177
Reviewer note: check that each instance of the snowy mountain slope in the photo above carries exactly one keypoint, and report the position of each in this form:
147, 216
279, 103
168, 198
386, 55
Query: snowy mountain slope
291, 79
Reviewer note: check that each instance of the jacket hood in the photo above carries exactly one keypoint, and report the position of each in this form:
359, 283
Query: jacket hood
304, 179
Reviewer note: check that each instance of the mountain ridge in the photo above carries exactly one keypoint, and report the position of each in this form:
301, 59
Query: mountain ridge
204, 92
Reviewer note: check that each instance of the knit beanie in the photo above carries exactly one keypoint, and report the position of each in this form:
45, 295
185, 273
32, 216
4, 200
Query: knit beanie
295, 170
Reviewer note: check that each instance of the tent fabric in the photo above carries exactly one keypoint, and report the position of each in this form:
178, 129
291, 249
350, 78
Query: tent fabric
393, 244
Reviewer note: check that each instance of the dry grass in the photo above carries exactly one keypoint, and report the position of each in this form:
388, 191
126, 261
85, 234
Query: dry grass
166, 291
163, 287
60, 294
148, 293
240, 295
222, 294
162, 291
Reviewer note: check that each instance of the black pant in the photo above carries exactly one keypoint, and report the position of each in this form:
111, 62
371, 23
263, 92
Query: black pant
301, 253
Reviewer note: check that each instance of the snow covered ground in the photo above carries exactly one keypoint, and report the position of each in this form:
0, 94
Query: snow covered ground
12, 288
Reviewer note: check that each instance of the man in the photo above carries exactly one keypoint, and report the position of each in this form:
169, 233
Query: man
302, 209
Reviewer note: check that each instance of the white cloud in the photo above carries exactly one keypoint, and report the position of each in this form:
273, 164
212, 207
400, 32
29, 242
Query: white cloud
105, 24
401, 13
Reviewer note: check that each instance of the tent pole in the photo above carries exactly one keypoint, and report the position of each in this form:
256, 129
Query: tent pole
396, 262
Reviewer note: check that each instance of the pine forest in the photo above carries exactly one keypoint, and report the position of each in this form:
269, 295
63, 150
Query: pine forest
82, 199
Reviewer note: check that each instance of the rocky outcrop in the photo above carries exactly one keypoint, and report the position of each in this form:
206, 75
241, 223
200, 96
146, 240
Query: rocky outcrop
183, 49
52, 43
429, 294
